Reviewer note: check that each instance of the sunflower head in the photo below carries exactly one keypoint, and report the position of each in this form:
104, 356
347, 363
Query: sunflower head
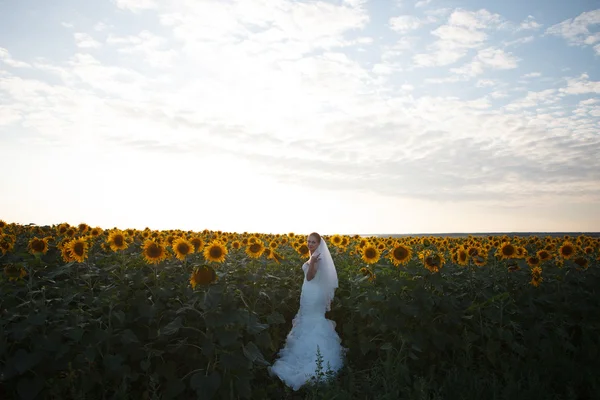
97, 231
38, 246
462, 256
434, 262
215, 251
543, 255
400, 254
507, 251
203, 275
153, 251
117, 241
14, 273
567, 250
77, 249
368, 273
370, 254
582, 262
303, 250
198, 243
533, 261
536, 276
182, 247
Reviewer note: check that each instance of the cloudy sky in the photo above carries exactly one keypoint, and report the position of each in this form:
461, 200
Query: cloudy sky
340, 116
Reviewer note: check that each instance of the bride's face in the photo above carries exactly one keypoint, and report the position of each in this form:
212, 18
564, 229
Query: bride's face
312, 243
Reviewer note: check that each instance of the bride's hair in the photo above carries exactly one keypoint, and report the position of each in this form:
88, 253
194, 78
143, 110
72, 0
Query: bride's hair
315, 234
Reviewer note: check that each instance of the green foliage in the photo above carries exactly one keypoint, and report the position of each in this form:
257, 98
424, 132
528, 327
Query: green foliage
115, 328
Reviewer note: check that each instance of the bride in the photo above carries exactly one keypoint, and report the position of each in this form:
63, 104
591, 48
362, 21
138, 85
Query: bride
310, 331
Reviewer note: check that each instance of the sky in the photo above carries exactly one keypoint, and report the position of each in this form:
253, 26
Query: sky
275, 116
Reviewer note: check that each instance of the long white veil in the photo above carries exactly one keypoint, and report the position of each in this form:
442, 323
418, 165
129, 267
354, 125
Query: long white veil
329, 279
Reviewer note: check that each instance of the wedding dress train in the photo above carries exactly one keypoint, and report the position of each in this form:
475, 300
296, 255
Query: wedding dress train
310, 330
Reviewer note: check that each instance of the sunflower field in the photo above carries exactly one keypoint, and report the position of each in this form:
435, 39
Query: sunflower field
93, 313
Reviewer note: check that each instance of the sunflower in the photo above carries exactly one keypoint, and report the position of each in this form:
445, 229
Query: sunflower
536, 276
277, 257
533, 261
236, 244
204, 275
198, 243
370, 254
567, 250
215, 251
345, 241
506, 251
116, 241
14, 273
336, 240
97, 231
521, 252
588, 250
256, 249
543, 255
2, 224
153, 251
368, 273
62, 228
70, 232
581, 262
400, 254
462, 256
38, 246
83, 228
182, 247
303, 250
479, 260
77, 249
432, 261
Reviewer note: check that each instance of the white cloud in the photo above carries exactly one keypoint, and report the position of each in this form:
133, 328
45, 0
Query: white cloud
465, 30
153, 48
581, 85
532, 75
67, 25
486, 83
576, 31
523, 40
7, 59
422, 3
534, 99
529, 24
405, 23
85, 41
136, 5
487, 58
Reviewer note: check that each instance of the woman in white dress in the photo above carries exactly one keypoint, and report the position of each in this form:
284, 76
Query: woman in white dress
310, 331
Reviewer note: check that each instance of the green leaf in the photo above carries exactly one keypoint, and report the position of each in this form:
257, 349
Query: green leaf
114, 363
128, 337
252, 353
24, 361
206, 386
227, 337
174, 388
145, 364
29, 388
254, 326
275, 318
37, 319
172, 327
386, 346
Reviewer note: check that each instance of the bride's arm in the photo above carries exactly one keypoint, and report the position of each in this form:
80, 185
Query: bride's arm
312, 267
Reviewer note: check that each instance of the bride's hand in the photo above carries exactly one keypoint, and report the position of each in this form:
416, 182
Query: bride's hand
314, 258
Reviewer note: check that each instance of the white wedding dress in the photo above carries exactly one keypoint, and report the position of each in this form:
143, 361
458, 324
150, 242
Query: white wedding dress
297, 361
